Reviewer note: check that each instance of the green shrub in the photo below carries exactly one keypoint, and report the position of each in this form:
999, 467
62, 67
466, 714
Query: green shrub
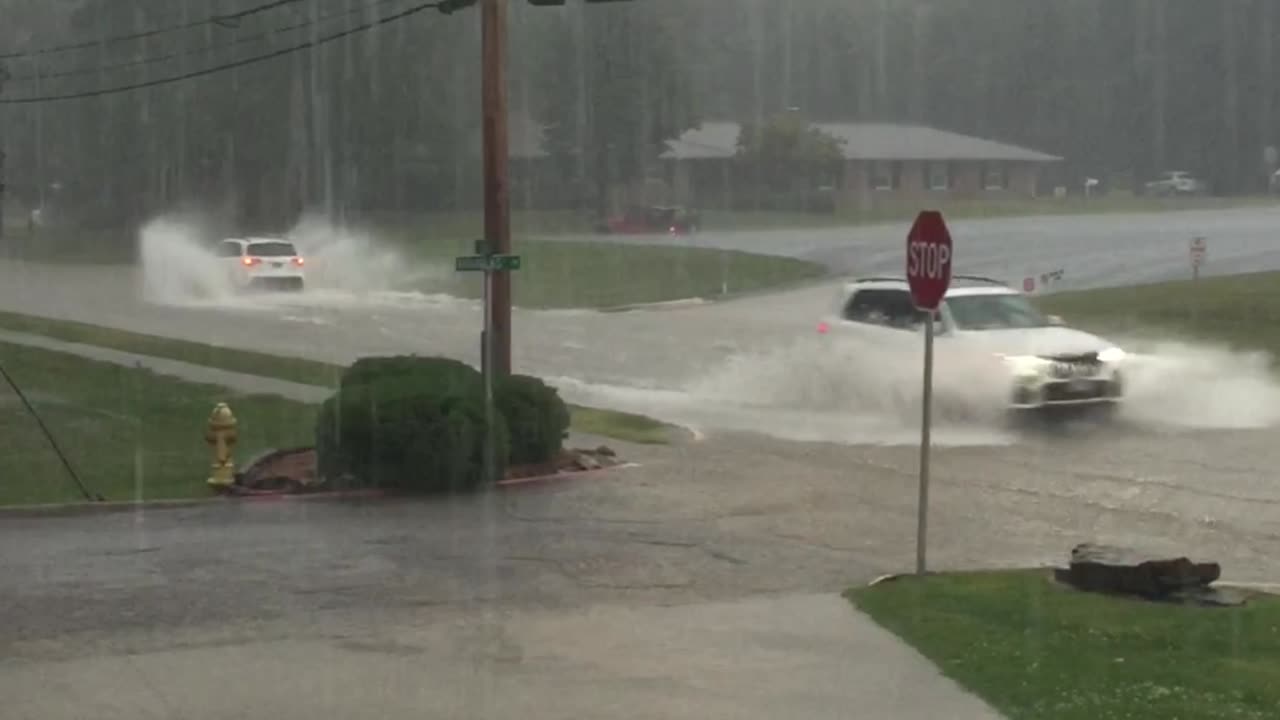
433, 370
417, 423
536, 417
406, 432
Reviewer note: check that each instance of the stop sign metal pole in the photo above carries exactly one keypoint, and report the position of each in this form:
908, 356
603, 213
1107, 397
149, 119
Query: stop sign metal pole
929, 276
922, 518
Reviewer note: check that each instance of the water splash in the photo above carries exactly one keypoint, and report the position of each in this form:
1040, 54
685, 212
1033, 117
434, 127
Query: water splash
1189, 385
344, 268
178, 266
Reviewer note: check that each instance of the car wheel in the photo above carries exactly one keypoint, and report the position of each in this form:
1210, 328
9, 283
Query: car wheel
1108, 412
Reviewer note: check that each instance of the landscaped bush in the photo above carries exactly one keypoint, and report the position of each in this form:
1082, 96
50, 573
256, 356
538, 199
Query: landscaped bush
432, 370
416, 423
412, 424
536, 417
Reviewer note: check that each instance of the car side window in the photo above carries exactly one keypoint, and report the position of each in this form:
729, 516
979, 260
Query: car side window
887, 307
229, 250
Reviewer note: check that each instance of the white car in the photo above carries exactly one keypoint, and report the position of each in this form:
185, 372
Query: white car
1048, 364
266, 263
1176, 182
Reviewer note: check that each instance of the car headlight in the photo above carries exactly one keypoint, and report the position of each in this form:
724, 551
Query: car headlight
1026, 365
1112, 355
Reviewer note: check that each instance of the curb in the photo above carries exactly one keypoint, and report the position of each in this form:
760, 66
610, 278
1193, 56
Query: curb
332, 496
657, 306
102, 508
686, 303
115, 507
562, 476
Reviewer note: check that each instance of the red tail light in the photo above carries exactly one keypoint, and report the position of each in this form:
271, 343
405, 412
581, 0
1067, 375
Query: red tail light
251, 261
299, 261
823, 328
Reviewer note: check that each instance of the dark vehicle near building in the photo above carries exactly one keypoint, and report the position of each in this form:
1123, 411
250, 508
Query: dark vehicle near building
639, 220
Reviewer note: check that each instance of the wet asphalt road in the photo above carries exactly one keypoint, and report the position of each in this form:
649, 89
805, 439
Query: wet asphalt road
1093, 250
730, 516
702, 584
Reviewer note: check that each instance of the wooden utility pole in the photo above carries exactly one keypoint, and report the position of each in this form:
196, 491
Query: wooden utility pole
1266, 93
4, 76
497, 192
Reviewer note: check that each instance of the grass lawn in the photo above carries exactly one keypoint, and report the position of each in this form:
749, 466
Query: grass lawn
620, 426
129, 433
1240, 310
616, 425
1038, 652
554, 274
570, 274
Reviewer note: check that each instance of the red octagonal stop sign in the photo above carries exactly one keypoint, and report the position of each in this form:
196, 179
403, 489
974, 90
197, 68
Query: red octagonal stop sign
929, 259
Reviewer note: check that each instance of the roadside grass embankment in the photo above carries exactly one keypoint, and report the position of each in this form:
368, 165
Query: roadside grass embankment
1242, 311
600, 274
555, 274
592, 272
129, 433
621, 426
1038, 651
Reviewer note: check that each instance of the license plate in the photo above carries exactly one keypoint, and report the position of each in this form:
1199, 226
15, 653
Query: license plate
1080, 385
276, 264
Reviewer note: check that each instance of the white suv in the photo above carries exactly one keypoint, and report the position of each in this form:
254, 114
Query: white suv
1177, 182
267, 263
1048, 364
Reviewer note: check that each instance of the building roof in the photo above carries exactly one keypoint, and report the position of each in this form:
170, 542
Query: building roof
716, 140
862, 141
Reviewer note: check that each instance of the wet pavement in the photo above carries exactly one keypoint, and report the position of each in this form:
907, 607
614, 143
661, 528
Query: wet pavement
722, 526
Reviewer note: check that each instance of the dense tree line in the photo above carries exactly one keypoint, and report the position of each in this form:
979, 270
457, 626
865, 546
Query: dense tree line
386, 120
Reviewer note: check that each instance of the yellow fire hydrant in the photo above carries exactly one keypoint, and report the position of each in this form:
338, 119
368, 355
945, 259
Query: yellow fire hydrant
221, 435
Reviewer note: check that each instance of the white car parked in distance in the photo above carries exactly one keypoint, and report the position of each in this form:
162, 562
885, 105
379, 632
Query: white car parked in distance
1049, 365
262, 263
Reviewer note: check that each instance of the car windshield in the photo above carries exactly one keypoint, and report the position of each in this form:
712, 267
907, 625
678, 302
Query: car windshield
994, 312
272, 249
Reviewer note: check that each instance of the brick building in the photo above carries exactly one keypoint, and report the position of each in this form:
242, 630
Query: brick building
885, 165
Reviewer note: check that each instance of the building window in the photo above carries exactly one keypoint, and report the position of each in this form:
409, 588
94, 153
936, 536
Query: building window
995, 176
939, 176
884, 175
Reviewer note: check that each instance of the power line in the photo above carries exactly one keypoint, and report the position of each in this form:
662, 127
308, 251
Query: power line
48, 435
220, 20
153, 59
233, 19
222, 68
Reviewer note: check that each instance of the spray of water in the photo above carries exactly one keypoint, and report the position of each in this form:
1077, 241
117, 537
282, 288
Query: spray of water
1200, 386
344, 267
348, 260
825, 391
848, 392
841, 375
178, 266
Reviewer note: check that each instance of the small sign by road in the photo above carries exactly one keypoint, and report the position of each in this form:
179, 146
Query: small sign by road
1199, 251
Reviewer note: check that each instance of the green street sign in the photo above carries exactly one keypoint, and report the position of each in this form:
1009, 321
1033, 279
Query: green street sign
471, 263
505, 262
487, 263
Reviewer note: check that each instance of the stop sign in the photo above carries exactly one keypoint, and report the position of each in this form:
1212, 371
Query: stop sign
928, 259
